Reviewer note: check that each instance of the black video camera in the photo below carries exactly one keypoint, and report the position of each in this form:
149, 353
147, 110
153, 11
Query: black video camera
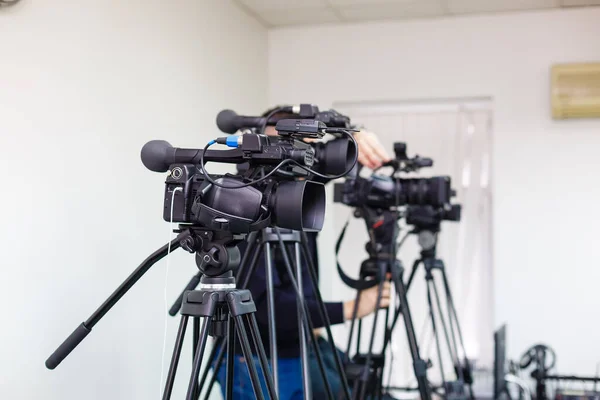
333, 157
381, 191
244, 203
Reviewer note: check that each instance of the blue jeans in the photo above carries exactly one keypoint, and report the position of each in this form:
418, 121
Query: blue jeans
331, 372
333, 378
290, 378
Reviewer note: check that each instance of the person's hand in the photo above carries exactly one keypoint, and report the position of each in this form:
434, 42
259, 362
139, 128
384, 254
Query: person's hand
371, 153
368, 302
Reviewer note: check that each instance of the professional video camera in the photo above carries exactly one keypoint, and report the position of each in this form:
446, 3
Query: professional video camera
381, 191
230, 122
242, 204
333, 157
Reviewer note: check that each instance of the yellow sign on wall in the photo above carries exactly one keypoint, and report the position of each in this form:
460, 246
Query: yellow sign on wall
576, 90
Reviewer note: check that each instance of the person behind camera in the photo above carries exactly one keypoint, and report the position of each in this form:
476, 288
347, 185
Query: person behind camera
372, 155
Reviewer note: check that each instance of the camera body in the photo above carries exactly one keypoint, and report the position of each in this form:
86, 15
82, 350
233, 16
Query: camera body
191, 198
245, 203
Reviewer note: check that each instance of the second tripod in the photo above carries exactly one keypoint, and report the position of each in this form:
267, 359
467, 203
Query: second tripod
450, 325
367, 368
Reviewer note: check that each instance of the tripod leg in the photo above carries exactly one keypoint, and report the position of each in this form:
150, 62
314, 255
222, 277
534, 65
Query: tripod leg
303, 333
304, 319
251, 269
399, 309
175, 358
324, 315
451, 349
262, 356
397, 314
217, 346
380, 385
251, 240
196, 336
415, 266
387, 338
198, 359
419, 365
435, 334
365, 374
230, 350
241, 332
358, 335
271, 313
452, 311
217, 366
305, 324
352, 324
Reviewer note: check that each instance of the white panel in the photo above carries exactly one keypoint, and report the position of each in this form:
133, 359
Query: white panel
407, 9
474, 6
262, 5
309, 16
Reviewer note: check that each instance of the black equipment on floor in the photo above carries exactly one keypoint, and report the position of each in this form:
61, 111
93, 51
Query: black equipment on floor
543, 359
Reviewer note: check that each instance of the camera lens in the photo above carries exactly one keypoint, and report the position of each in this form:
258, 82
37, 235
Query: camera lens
299, 205
336, 157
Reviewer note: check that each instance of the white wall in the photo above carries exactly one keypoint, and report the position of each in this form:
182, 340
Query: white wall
83, 85
545, 183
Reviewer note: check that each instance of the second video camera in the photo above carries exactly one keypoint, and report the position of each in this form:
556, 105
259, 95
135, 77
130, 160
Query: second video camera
381, 191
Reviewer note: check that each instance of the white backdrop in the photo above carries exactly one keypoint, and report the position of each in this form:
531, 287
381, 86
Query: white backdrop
83, 85
545, 190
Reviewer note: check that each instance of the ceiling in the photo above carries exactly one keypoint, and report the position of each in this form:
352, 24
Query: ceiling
274, 13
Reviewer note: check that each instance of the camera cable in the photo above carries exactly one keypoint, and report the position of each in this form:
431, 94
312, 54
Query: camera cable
164, 347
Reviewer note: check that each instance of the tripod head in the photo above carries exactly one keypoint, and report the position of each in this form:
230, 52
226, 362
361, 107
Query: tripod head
216, 251
427, 224
381, 225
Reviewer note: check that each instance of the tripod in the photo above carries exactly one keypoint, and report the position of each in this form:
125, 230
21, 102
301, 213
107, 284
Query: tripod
367, 369
267, 242
429, 260
223, 308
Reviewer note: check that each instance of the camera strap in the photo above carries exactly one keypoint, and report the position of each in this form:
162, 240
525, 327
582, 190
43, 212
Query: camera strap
357, 284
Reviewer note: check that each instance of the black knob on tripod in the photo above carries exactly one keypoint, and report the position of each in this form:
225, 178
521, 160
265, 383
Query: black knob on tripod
218, 259
211, 262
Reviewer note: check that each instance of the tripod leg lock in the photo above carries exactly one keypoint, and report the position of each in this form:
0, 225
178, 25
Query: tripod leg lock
240, 302
199, 304
420, 368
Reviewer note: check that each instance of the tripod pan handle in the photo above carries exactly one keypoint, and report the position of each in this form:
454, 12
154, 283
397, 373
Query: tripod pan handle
67, 346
